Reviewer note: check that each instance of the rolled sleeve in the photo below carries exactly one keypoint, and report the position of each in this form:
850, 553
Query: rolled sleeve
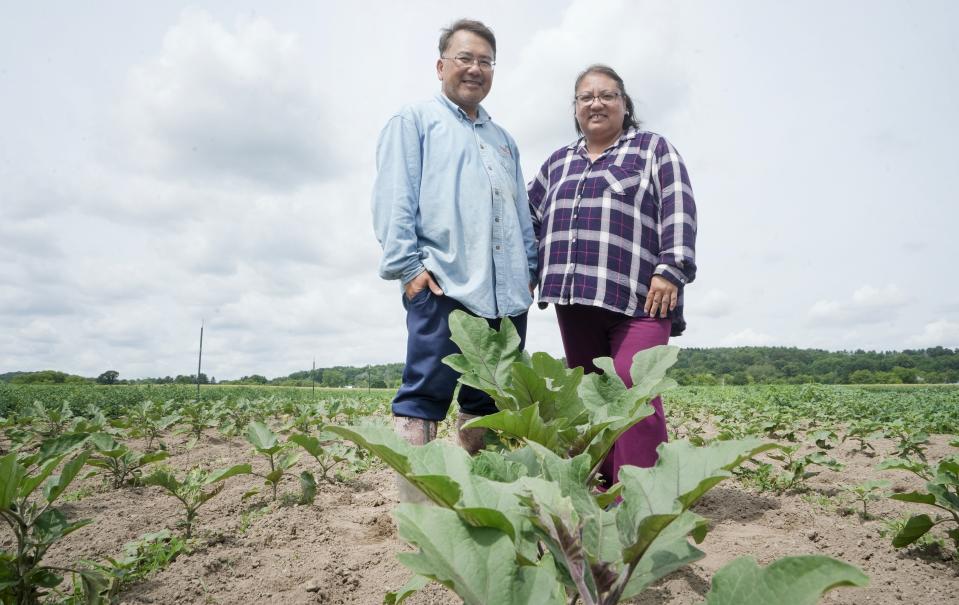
677, 253
395, 199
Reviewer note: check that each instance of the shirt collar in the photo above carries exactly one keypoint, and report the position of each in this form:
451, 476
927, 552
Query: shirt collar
481, 116
628, 135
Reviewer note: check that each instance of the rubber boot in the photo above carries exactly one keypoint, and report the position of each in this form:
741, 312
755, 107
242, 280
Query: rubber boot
417, 432
471, 440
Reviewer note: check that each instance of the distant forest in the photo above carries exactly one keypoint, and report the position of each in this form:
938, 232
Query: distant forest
732, 366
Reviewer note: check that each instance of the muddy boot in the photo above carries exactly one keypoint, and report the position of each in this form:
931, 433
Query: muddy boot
471, 440
417, 432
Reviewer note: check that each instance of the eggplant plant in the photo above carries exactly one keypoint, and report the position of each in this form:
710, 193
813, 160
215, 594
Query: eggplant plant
327, 450
866, 492
198, 417
233, 418
148, 420
36, 524
541, 401
942, 492
796, 467
278, 454
525, 524
52, 421
118, 463
195, 489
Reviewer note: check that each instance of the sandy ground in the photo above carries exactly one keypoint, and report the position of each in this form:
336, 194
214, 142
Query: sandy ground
341, 549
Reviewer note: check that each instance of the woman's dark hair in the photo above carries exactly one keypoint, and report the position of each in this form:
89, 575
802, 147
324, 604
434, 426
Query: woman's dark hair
470, 25
598, 68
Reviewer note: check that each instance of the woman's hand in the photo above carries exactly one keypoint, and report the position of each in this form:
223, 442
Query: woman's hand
662, 298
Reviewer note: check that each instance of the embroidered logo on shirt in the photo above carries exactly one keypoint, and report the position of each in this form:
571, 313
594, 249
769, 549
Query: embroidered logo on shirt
505, 150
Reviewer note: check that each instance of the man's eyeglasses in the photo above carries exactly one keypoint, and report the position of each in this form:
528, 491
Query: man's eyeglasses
465, 60
604, 97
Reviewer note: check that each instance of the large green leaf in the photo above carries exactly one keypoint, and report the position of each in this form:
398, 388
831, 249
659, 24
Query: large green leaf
225, 473
382, 441
497, 467
58, 484
526, 425
104, 442
52, 525
486, 354
788, 581
262, 438
64, 444
915, 528
153, 457
670, 551
165, 479
684, 472
563, 384
11, 474
526, 387
477, 563
30, 482
653, 497
312, 445
917, 497
649, 368
603, 431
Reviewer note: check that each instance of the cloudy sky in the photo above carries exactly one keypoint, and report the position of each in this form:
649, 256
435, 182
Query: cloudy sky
163, 164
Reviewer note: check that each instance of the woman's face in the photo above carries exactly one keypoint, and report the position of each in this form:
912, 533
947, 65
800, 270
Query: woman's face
599, 121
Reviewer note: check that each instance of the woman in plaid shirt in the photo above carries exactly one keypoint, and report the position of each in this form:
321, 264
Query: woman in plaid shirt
615, 221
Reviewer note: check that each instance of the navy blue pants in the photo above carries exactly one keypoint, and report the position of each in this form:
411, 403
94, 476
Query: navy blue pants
428, 383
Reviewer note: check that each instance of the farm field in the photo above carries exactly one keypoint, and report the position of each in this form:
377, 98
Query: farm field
340, 545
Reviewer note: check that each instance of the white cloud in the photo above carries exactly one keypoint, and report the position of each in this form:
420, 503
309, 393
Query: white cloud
232, 106
867, 305
944, 333
746, 338
888, 296
827, 310
715, 304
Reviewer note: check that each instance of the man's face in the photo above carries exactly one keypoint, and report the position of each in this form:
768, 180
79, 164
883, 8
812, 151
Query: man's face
465, 86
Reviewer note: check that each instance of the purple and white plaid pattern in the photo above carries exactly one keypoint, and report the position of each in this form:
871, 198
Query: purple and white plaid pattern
605, 228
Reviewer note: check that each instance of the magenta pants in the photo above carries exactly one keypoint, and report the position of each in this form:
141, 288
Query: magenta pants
591, 332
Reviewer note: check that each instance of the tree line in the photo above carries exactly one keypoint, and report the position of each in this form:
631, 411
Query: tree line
715, 366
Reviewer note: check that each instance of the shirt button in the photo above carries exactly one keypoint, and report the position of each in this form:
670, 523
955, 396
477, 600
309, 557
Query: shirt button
497, 247
482, 146
496, 191
496, 219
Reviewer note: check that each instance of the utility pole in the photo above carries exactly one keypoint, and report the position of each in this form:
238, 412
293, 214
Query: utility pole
199, 363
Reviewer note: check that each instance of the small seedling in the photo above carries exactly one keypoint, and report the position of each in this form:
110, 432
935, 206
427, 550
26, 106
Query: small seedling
196, 489
869, 491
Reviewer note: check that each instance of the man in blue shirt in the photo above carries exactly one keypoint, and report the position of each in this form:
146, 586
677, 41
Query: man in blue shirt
451, 213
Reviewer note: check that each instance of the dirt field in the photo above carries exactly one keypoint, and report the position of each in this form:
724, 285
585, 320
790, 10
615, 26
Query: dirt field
341, 549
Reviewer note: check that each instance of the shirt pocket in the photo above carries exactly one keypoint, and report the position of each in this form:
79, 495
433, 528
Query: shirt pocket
622, 182
504, 158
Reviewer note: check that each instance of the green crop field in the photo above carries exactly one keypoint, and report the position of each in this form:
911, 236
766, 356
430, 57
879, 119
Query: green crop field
521, 522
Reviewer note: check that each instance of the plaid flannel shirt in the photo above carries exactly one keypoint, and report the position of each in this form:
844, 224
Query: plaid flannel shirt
604, 228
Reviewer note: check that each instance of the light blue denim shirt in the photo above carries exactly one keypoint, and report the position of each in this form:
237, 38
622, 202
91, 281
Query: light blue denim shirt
450, 198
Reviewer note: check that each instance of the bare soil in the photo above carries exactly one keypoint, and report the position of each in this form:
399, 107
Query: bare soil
340, 550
